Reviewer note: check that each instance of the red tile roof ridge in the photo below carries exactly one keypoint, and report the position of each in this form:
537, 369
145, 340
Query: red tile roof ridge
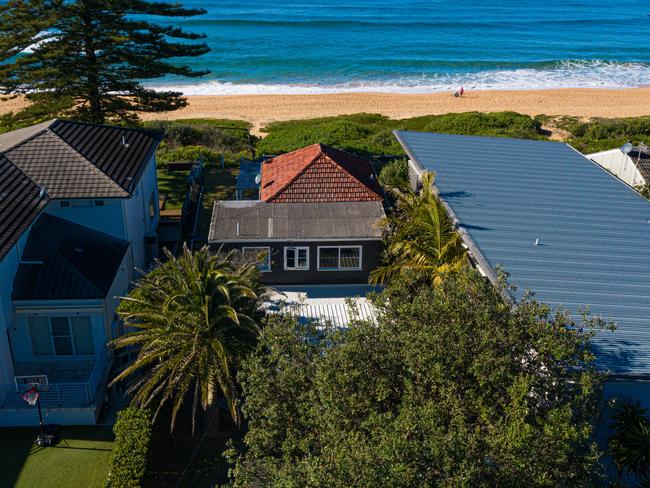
313, 153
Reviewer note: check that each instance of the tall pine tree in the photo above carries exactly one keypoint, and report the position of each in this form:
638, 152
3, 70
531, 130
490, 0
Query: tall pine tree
87, 58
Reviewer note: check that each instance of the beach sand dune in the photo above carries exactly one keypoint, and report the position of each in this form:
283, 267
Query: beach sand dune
263, 109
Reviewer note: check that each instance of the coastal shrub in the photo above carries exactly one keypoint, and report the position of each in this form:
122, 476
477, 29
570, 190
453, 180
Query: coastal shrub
395, 174
499, 124
131, 450
367, 134
218, 138
602, 134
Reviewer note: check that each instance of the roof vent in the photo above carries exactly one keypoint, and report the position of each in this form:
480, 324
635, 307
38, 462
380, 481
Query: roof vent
537, 242
124, 143
237, 228
41, 193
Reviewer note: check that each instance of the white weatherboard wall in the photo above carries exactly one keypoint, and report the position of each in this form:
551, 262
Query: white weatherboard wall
136, 214
619, 164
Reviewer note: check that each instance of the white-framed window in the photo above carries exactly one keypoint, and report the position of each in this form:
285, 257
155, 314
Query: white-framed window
296, 258
339, 258
260, 254
61, 336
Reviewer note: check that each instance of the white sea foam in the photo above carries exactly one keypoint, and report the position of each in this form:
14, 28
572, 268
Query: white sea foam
567, 74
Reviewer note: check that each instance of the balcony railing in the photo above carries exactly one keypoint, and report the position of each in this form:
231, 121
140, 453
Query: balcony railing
62, 395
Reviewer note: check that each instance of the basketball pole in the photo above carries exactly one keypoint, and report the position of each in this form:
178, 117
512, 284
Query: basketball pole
40, 419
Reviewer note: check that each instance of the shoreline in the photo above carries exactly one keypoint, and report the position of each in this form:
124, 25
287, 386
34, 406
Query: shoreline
261, 110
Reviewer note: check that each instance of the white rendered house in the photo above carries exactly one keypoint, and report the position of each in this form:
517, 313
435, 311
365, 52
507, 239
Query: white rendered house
78, 216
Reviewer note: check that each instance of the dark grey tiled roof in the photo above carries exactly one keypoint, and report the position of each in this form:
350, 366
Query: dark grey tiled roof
63, 159
120, 153
20, 203
238, 221
61, 170
63, 260
593, 230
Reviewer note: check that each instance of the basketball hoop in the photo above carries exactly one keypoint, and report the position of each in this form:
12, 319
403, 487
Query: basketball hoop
31, 397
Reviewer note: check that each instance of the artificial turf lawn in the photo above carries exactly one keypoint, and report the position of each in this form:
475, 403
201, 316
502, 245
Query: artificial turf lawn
81, 458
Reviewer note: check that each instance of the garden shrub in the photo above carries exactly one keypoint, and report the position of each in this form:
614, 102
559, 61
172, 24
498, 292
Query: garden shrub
131, 449
395, 174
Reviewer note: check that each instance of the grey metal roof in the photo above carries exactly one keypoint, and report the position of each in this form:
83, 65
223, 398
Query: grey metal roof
593, 230
239, 221
63, 260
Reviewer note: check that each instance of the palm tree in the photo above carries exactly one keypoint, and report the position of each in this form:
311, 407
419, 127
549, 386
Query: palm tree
421, 238
194, 318
629, 444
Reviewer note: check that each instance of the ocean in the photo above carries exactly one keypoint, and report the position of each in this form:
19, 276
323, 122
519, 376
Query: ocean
417, 46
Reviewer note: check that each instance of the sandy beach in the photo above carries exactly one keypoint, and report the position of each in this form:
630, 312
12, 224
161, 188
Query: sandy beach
262, 109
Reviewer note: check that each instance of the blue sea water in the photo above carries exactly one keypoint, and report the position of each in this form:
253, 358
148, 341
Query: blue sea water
301, 46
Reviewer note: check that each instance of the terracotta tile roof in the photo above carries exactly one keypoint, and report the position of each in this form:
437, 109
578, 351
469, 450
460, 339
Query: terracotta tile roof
318, 173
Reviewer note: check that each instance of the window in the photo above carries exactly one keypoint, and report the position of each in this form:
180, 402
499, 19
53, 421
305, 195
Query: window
64, 204
296, 258
339, 258
61, 336
82, 203
152, 205
260, 254
99, 203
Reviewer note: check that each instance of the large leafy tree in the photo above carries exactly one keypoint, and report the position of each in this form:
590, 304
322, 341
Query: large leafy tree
451, 387
87, 58
420, 237
194, 318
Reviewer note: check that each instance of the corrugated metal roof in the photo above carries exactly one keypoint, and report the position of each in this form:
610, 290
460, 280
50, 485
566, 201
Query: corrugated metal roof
242, 221
593, 230
329, 305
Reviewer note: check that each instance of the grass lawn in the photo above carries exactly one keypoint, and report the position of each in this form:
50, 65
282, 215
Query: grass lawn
172, 184
81, 458
217, 185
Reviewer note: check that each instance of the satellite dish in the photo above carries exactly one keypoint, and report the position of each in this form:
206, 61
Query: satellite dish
627, 148
258, 178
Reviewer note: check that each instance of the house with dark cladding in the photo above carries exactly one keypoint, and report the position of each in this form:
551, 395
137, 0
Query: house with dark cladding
78, 216
561, 226
314, 222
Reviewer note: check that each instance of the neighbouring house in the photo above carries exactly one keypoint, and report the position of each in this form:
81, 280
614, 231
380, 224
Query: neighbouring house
314, 222
78, 215
630, 164
561, 226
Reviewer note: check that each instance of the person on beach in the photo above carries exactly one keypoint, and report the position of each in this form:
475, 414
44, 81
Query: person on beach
461, 91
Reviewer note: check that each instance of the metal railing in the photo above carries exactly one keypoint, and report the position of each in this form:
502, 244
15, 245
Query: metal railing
62, 395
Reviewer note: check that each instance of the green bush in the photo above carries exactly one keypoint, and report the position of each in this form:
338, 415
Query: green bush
395, 174
131, 450
373, 134
603, 134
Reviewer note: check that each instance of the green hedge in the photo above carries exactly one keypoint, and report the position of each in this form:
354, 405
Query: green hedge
131, 449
